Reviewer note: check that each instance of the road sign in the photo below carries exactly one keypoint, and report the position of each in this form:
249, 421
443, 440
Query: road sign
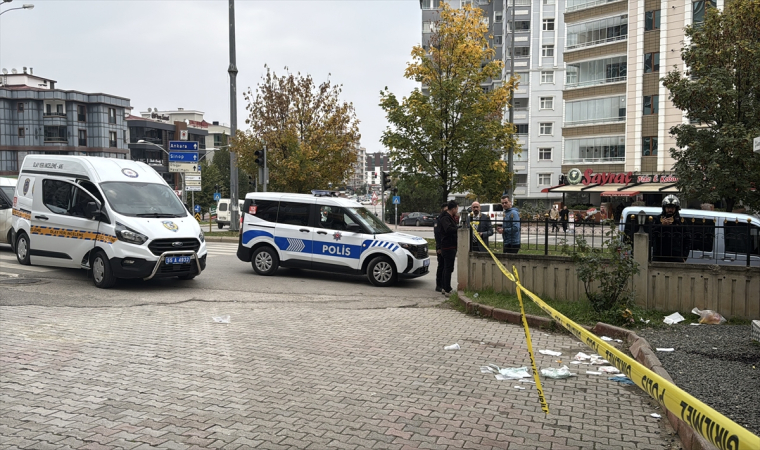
217, 196
183, 135
198, 217
187, 146
197, 208
193, 188
212, 210
192, 183
183, 156
192, 177
183, 167
396, 199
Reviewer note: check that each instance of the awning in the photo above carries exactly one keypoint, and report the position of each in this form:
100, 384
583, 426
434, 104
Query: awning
654, 187
620, 193
551, 189
603, 187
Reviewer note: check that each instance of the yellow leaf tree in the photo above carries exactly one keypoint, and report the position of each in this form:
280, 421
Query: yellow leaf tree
309, 133
454, 131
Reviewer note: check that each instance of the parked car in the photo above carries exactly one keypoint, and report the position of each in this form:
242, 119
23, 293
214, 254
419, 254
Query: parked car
419, 218
402, 217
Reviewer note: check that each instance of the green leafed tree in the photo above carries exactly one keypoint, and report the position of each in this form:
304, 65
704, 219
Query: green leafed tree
454, 131
720, 93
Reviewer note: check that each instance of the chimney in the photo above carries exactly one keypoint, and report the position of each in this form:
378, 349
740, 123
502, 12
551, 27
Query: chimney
24, 70
31, 71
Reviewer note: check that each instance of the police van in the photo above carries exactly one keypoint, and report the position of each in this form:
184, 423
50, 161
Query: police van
323, 232
116, 217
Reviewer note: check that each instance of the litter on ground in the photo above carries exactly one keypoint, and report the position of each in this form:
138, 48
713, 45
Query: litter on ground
709, 316
549, 352
665, 349
452, 347
608, 369
622, 379
520, 387
557, 373
673, 318
221, 319
591, 372
655, 415
606, 338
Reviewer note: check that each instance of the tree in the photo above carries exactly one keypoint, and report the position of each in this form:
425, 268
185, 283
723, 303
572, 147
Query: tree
310, 135
418, 193
454, 131
221, 164
720, 90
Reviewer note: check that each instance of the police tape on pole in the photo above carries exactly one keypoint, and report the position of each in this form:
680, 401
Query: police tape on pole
719, 430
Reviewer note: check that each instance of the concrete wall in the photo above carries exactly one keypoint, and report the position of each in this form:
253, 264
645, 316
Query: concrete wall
731, 290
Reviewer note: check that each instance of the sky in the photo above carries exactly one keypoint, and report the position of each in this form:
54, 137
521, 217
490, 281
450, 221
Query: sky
170, 54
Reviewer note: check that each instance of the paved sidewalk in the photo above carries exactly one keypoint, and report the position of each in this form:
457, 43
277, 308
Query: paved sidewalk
295, 377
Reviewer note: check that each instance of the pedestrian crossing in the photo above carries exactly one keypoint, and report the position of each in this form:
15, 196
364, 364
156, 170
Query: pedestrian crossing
221, 249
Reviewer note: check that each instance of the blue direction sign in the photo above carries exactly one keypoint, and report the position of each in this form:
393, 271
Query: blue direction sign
217, 196
396, 199
183, 156
197, 208
186, 146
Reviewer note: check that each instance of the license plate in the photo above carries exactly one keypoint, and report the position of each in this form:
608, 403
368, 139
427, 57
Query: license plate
426, 262
177, 260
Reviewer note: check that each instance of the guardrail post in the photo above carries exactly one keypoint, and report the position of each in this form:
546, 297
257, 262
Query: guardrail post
546, 235
463, 259
641, 281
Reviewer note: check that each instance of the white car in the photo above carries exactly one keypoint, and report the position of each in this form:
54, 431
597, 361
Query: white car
7, 188
326, 233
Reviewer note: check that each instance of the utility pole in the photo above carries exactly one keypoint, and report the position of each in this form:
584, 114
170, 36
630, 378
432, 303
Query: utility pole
232, 70
510, 155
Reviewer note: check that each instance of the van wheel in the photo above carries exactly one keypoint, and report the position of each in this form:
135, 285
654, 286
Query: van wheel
265, 261
381, 272
102, 274
22, 249
220, 225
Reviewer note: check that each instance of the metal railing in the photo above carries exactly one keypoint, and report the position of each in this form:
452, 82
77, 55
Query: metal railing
607, 40
588, 4
577, 84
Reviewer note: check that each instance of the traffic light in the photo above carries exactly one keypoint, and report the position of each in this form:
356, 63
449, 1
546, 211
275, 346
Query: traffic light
385, 180
251, 183
260, 157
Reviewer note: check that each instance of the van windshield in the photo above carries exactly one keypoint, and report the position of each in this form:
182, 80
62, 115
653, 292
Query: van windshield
369, 220
143, 199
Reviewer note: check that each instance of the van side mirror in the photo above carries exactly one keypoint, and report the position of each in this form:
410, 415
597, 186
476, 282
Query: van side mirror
92, 210
4, 204
354, 228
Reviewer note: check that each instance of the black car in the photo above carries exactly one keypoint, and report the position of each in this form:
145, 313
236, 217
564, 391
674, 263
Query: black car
419, 218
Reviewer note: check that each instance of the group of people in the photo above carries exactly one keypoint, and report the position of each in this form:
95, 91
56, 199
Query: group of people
445, 232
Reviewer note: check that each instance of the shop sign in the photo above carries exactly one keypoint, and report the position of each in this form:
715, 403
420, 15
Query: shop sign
606, 177
656, 179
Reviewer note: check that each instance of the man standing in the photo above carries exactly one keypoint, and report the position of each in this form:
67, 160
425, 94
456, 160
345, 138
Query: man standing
554, 218
482, 224
447, 225
564, 217
438, 255
510, 228
670, 243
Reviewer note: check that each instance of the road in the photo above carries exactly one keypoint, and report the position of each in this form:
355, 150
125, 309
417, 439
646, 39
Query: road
308, 360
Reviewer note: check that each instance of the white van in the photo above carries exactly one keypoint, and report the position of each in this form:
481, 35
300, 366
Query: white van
114, 216
7, 187
326, 233
714, 237
223, 212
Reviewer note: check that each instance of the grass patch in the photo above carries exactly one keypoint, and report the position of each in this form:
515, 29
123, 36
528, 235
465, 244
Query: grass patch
221, 233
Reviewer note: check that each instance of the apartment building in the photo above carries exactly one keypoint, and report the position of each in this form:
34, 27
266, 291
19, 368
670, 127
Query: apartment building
38, 118
374, 163
357, 176
539, 39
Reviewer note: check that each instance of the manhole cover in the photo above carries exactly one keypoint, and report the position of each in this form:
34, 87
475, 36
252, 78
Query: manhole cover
19, 281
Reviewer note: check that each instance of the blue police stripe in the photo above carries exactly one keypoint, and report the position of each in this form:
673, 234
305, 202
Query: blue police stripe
249, 235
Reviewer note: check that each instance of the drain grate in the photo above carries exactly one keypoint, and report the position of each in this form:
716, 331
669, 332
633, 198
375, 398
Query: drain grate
19, 280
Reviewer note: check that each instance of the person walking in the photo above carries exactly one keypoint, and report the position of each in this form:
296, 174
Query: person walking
554, 218
438, 254
564, 217
483, 227
510, 226
447, 226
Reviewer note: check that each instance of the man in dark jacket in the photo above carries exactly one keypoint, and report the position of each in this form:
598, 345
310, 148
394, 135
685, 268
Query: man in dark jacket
669, 233
482, 224
564, 217
438, 255
447, 227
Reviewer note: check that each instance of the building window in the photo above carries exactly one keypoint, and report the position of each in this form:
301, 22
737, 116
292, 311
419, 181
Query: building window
548, 25
48, 109
8, 161
21, 132
545, 128
544, 179
111, 115
549, 2
520, 52
651, 62
649, 146
55, 134
547, 50
521, 179
498, 16
520, 25
431, 4
652, 20
81, 113
59, 109
596, 32
546, 103
651, 104
582, 112
20, 107
522, 128
112, 139
83, 138
523, 78
497, 40
594, 150
544, 154
600, 71
547, 76
698, 10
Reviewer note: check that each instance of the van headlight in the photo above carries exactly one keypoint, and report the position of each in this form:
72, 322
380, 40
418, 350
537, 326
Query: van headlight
201, 237
123, 233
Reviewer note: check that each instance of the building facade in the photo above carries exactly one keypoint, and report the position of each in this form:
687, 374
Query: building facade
38, 118
357, 178
374, 164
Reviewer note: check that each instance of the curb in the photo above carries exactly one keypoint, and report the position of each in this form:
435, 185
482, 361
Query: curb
639, 348
221, 239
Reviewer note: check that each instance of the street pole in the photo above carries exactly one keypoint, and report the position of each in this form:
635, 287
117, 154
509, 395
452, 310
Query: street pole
510, 155
232, 70
266, 175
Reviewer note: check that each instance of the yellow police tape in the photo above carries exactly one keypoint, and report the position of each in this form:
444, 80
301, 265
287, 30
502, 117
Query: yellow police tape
719, 430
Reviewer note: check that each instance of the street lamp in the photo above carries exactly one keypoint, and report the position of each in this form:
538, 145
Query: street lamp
27, 6
143, 141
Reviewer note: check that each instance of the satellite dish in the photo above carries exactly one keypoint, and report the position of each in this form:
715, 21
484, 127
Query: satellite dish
5, 71
14, 71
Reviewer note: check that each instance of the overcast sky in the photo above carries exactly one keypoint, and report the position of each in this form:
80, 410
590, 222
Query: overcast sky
167, 54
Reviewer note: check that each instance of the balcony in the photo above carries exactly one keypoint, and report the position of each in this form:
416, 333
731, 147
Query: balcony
596, 121
597, 160
607, 40
581, 84
54, 114
584, 4
56, 139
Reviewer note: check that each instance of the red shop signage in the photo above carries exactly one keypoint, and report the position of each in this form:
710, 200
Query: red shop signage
603, 178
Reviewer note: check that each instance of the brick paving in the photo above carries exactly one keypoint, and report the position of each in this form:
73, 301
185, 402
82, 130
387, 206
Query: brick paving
167, 376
